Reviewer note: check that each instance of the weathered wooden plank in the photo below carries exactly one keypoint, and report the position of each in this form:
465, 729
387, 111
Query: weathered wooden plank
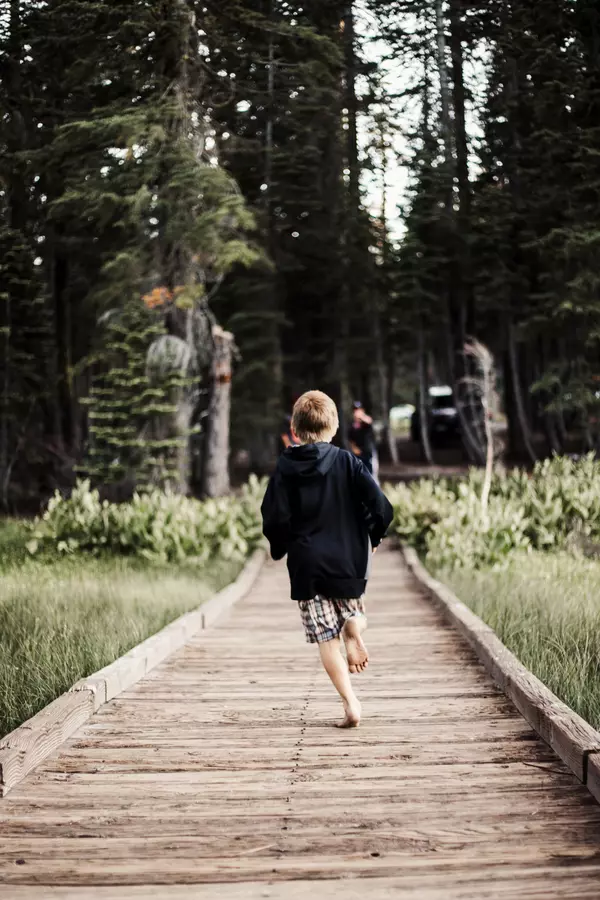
568, 734
191, 756
573, 883
187, 819
221, 771
175, 814
577, 883
219, 607
27, 746
23, 749
130, 668
172, 869
593, 775
348, 840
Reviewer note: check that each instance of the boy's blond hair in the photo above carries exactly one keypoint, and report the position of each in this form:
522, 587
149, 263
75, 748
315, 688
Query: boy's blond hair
315, 418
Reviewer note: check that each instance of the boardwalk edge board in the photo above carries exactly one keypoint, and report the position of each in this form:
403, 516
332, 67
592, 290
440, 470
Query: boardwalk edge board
31, 743
570, 736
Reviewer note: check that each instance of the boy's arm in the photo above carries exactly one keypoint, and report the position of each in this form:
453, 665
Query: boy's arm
276, 517
379, 509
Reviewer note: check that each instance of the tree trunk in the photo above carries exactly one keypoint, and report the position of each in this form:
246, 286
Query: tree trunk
349, 290
216, 449
17, 202
456, 311
62, 313
518, 394
382, 392
352, 108
423, 400
391, 373
384, 368
552, 434
5, 329
462, 167
488, 397
550, 418
474, 450
272, 284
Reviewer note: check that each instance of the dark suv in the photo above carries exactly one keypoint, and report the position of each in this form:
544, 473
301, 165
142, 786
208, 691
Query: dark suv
442, 415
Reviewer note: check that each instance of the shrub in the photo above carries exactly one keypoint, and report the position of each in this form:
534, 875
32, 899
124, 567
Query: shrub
544, 510
162, 527
419, 508
467, 538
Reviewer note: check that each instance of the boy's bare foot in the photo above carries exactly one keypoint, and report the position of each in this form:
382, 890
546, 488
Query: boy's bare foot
352, 718
356, 651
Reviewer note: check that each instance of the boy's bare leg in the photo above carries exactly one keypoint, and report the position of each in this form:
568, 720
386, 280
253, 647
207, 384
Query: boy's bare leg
357, 653
336, 667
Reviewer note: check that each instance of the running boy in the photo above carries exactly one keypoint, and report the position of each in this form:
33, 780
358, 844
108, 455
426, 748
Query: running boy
327, 513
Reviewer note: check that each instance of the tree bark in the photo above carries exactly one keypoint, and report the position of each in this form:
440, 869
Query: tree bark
384, 363
216, 466
423, 399
550, 418
5, 331
352, 107
272, 284
462, 167
456, 310
518, 394
382, 388
62, 321
17, 201
348, 295
391, 373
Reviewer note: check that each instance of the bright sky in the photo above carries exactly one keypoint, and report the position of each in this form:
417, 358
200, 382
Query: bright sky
403, 113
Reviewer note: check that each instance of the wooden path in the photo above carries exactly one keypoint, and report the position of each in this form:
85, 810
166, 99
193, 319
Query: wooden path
220, 776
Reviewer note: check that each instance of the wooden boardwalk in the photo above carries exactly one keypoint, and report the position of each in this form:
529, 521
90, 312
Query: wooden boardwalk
220, 776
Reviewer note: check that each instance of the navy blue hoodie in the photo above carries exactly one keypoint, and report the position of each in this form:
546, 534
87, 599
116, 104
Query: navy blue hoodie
324, 509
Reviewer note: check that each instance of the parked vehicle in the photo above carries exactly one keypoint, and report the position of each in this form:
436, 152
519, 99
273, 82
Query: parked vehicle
442, 417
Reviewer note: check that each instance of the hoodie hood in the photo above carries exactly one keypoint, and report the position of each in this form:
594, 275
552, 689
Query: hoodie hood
308, 460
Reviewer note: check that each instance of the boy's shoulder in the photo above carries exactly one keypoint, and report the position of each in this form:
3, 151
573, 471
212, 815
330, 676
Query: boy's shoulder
350, 464
346, 457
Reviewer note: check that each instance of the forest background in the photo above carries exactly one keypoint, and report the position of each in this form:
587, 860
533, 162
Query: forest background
187, 187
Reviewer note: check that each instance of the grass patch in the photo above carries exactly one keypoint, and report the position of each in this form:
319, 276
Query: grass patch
62, 619
546, 610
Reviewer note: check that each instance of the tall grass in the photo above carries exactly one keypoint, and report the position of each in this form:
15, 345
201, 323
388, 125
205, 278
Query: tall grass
546, 609
62, 620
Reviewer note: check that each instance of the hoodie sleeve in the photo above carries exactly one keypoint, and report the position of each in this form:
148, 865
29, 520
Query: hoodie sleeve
276, 517
378, 509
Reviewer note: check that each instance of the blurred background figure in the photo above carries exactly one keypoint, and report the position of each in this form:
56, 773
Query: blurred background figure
286, 438
361, 438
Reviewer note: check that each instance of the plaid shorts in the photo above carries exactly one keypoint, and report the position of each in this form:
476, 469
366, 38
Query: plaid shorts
324, 619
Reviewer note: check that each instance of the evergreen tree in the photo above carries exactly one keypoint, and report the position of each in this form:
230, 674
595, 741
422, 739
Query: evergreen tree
123, 193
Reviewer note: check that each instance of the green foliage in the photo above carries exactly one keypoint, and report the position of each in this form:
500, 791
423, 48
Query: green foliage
544, 608
419, 508
64, 617
158, 526
110, 188
558, 506
123, 402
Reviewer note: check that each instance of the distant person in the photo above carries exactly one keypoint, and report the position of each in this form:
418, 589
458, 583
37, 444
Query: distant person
286, 438
326, 512
361, 437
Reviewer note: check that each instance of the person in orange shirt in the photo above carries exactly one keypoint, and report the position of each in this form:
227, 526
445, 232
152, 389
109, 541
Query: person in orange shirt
361, 436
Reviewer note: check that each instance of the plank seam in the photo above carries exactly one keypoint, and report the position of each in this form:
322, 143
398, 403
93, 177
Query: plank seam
23, 749
570, 736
